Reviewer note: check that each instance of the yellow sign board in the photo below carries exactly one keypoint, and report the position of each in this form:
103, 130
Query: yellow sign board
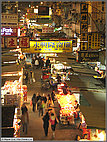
49, 46
33, 16
94, 41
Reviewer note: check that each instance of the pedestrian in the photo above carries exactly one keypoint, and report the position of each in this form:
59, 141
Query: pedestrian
24, 118
40, 109
36, 62
33, 62
53, 96
53, 121
58, 78
42, 63
38, 97
52, 84
46, 123
26, 77
47, 63
31, 77
34, 102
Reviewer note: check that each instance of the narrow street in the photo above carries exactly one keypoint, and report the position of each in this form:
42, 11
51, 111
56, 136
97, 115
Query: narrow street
35, 128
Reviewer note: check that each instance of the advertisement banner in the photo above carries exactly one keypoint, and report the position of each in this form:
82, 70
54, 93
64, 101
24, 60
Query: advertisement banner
34, 16
49, 46
24, 42
11, 42
85, 56
5, 31
2, 42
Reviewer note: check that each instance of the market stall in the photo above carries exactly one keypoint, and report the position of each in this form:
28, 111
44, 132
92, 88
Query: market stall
14, 93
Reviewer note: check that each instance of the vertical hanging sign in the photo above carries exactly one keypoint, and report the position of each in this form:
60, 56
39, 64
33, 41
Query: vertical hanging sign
84, 26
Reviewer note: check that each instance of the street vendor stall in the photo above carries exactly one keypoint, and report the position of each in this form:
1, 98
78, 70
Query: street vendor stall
14, 93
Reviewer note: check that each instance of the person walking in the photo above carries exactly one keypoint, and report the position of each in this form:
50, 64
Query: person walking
40, 109
53, 121
26, 77
47, 63
46, 123
53, 96
24, 118
34, 102
36, 62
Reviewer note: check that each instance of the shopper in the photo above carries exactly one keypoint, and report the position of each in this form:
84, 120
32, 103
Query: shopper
53, 96
34, 102
24, 118
40, 109
26, 77
46, 123
42, 63
47, 63
58, 78
53, 121
36, 63
33, 62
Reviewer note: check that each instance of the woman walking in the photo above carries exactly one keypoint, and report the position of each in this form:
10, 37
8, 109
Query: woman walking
24, 118
53, 121
46, 123
34, 102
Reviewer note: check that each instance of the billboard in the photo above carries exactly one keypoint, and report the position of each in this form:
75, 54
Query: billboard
11, 42
5, 31
49, 46
24, 42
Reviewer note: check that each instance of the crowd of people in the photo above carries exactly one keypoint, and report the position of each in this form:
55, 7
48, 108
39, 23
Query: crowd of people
43, 105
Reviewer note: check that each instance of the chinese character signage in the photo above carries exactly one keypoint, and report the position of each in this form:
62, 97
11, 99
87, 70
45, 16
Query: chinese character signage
84, 25
24, 42
49, 46
85, 56
84, 37
11, 42
2, 42
94, 40
8, 31
83, 46
84, 7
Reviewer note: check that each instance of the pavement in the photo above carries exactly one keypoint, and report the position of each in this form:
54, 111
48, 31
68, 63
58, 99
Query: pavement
35, 127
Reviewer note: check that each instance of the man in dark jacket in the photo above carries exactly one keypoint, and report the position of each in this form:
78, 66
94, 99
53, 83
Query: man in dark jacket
46, 123
47, 63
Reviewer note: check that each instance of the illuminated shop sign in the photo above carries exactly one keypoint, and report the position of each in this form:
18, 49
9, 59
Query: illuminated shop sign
88, 56
49, 46
8, 31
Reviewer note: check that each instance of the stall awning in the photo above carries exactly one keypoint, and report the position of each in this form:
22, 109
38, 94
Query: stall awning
95, 118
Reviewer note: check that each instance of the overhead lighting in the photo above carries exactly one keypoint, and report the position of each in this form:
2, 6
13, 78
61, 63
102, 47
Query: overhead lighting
41, 2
